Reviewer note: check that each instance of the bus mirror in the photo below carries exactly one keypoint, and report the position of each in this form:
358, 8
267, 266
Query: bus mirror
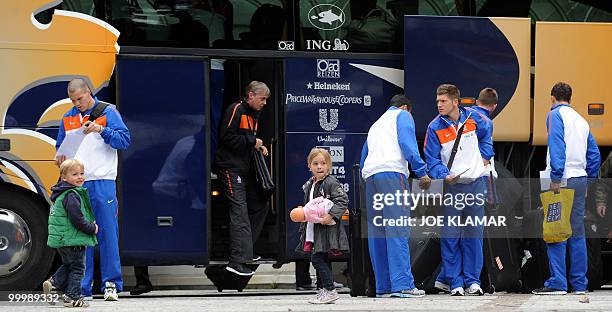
467, 101
5, 145
596, 108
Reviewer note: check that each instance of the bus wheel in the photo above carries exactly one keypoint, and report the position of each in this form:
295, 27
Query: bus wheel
25, 259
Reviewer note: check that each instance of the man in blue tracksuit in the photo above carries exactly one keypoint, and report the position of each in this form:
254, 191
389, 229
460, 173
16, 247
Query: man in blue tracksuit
103, 137
572, 156
390, 147
461, 246
485, 106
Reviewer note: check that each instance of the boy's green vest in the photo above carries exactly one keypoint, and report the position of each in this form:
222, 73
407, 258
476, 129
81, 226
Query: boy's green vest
62, 232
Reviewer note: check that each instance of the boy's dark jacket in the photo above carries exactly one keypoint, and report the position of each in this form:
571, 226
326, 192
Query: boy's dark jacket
71, 217
327, 237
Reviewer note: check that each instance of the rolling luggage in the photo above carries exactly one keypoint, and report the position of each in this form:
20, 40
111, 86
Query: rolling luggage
501, 269
224, 279
425, 258
501, 263
535, 270
362, 280
595, 260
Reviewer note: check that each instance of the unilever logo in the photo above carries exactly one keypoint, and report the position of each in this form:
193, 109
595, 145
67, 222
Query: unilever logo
329, 17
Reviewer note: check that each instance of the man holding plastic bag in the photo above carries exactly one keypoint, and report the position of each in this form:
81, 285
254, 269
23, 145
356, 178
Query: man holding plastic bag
572, 156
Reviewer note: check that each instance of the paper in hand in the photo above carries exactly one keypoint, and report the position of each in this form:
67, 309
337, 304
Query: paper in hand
461, 173
71, 143
434, 188
545, 181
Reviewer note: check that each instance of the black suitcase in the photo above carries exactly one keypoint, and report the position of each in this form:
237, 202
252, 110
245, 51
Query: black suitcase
224, 279
595, 260
501, 246
535, 270
501, 264
501, 254
425, 258
362, 280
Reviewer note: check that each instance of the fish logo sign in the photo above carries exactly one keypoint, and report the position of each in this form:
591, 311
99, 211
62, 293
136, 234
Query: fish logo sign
326, 17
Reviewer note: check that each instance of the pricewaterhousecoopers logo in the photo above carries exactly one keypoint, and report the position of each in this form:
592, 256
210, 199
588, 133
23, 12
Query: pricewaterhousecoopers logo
326, 17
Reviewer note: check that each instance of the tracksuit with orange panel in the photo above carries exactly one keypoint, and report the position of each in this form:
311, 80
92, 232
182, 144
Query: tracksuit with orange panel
461, 246
248, 211
98, 152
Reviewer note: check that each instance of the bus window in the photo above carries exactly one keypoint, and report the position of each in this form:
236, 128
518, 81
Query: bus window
238, 24
567, 11
82, 6
361, 25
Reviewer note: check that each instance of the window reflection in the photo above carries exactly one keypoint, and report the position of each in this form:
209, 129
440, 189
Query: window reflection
199, 23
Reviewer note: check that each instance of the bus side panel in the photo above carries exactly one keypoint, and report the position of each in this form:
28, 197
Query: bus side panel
331, 104
164, 182
471, 53
579, 54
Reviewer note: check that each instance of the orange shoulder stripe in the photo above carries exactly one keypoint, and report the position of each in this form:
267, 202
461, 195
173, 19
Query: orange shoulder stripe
233, 113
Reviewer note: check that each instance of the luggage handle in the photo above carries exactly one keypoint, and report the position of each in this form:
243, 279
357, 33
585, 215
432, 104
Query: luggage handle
356, 209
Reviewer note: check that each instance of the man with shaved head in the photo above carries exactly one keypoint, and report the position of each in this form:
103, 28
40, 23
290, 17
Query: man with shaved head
106, 134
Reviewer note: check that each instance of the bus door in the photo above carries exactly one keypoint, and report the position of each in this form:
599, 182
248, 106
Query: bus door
164, 181
229, 77
331, 103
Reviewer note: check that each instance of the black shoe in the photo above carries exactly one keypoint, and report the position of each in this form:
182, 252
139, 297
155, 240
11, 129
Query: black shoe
548, 291
304, 287
256, 258
240, 269
140, 289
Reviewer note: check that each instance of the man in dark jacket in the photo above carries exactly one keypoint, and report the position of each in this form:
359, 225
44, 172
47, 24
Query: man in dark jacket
602, 195
237, 143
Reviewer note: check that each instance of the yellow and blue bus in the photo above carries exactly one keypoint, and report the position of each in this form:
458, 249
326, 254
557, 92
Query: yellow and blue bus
173, 66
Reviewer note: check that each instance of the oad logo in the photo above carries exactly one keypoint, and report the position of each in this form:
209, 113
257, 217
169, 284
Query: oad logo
328, 68
326, 16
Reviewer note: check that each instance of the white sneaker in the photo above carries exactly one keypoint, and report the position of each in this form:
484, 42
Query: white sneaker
325, 297
579, 292
442, 287
475, 289
47, 289
458, 291
110, 292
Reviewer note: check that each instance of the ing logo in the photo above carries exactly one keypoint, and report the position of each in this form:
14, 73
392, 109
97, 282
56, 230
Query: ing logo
34, 54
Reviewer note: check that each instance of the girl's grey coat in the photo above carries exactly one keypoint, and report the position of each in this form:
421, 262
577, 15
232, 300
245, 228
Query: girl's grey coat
327, 237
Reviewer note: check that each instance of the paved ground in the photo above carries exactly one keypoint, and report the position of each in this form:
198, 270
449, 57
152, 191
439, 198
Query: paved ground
286, 300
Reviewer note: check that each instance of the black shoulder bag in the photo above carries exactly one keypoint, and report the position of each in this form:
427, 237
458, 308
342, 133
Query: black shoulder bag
97, 111
451, 159
262, 174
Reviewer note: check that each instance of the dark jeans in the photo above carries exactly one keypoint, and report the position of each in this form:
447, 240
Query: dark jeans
247, 214
324, 272
69, 275
302, 273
